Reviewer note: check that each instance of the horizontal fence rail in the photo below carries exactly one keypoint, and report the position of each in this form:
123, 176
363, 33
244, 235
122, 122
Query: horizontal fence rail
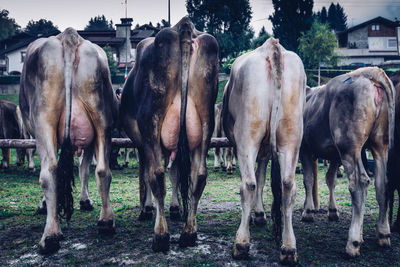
118, 142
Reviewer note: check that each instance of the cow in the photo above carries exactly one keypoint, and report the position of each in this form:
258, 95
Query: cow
394, 157
351, 111
167, 108
222, 156
262, 115
67, 100
11, 127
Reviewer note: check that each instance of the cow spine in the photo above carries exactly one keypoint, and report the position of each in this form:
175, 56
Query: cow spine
65, 177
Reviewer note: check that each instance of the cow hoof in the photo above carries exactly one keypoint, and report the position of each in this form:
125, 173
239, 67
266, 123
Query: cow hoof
307, 216
353, 249
86, 205
41, 210
241, 251
229, 171
51, 244
31, 170
333, 215
160, 243
174, 213
260, 219
223, 168
187, 239
383, 240
215, 169
146, 214
288, 256
106, 227
126, 165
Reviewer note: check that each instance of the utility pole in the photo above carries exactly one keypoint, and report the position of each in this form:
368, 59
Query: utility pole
169, 13
127, 40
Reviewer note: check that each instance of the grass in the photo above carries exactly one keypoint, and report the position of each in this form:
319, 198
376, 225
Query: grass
318, 243
10, 97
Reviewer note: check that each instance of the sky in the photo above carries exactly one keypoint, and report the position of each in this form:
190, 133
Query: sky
77, 13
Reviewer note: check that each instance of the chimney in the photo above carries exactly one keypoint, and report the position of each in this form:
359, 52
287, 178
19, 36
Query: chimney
124, 31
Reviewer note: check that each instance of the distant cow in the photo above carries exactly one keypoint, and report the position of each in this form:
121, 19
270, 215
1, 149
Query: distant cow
67, 99
350, 111
222, 156
394, 157
178, 68
262, 115
11, 127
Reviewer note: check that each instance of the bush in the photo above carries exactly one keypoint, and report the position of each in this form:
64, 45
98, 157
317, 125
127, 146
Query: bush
227, 65
10, 79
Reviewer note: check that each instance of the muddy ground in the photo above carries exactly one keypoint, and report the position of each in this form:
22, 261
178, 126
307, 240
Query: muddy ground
318, 243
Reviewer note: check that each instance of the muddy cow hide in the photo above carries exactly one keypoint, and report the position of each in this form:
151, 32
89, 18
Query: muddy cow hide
394, 157
222, 156
11, 128
262, 115
167, 108
350, 111
67, 99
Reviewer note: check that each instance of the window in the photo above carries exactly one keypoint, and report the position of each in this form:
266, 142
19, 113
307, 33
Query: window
23, 53
392, 43
377, 27
373, 27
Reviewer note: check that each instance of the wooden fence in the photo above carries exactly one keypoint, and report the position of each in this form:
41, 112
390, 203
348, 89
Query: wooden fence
118, 142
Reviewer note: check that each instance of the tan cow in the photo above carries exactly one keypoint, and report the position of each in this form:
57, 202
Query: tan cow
262, 116
67, 99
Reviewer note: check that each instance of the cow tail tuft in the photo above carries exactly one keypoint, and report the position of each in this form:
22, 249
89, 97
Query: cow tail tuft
183, 155
65, 177
276, 183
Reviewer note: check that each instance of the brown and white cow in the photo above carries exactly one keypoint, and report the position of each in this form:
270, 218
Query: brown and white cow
67, 99
262, 115
350, 111
223, 157
178, 68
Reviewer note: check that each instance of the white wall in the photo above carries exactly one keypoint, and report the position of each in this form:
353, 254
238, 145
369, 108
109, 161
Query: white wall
381, 44
14, 60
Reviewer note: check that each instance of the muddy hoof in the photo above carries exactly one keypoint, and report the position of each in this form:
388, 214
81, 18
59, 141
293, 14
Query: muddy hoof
395, 227
260, 219
174, 213
41, 210
307, 216
353, 249
106, 227
146, 214
333, 215
86, 205
241, 251
187, 239
223, 168
288, 256
126, 165
160, 243
215, 169
51, 244
229, 171
384, 240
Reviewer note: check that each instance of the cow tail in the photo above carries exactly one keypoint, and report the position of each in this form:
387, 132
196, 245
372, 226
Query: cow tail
65, 176
184, 165
276, 183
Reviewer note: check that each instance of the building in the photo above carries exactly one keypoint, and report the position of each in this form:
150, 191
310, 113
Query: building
123, 41
370, 43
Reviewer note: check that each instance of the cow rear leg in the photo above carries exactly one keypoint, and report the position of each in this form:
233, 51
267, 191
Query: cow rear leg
6, 158
333, 214
229, 156
42, 209
259, 213
106, 223
84, 168
309, 166
146, 205
379, 151
174, 213
31, 162
198, 180
216, 159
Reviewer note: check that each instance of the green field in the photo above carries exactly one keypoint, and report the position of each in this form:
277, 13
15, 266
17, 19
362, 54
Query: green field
318, 243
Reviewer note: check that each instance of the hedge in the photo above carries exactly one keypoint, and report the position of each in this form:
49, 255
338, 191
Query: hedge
14, 79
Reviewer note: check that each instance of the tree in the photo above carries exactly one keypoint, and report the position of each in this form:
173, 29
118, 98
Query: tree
312, 52
262, 32
262, 37
341, 18
8, 26
99, 23
324, 15
289, 19
41, 26
227, 21
111, 62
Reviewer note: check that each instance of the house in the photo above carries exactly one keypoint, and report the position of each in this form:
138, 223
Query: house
123, 41
370, 43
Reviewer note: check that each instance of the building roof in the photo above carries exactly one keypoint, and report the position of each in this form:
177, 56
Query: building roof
138, 35
379, 19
